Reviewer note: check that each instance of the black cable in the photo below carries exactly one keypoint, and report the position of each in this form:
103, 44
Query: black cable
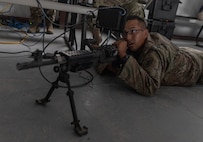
52, 41
33, 44
72, 26
44, 47
74, 86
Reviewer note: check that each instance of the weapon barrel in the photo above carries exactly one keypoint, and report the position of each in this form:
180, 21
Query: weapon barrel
34, 64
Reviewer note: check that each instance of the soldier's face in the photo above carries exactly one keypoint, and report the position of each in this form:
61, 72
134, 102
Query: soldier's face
134, 34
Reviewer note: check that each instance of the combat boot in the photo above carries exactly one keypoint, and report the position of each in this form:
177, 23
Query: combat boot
35, 20
49, 22
49, 26
33, 29
97, 37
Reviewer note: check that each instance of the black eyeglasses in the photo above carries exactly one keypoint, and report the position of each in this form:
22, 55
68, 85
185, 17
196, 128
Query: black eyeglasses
131, 32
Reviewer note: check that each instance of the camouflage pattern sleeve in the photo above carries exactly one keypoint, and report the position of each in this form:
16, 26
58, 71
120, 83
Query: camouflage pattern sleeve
98, 3
134, 8
145, 79
162, 63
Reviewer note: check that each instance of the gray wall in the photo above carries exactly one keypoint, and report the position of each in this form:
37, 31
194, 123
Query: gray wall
188, 8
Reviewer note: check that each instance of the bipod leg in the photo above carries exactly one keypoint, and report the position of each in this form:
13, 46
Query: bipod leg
78, 129
51, 90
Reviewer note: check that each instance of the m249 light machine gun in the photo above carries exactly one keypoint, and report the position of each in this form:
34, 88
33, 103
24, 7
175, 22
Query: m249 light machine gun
70, 61
73, 61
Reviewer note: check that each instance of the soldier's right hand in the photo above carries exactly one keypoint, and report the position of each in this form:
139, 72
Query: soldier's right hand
122, 47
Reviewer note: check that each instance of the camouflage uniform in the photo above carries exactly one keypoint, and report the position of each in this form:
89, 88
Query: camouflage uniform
132, 6
36, 18
162, 63
98, 3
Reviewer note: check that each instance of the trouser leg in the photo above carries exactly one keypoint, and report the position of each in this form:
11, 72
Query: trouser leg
49, 22
35, 19
95, 32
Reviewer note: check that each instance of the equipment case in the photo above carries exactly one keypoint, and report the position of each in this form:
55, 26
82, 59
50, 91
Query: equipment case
165, 28
163, 9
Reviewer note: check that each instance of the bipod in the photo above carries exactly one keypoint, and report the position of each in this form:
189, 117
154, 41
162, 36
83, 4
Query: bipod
65, 78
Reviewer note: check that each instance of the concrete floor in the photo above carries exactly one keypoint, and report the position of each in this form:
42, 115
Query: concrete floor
112, 111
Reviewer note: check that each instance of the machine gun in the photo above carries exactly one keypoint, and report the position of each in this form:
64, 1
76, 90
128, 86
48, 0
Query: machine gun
73, 61
70, 61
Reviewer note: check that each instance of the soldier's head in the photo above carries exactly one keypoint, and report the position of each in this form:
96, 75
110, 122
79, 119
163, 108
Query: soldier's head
135, 32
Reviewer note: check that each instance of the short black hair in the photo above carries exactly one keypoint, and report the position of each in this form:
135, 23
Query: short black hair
141, 20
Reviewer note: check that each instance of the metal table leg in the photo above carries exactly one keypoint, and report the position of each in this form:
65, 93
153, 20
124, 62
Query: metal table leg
197, 37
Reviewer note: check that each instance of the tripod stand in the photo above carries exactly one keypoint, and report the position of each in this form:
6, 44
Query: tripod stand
65, 78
